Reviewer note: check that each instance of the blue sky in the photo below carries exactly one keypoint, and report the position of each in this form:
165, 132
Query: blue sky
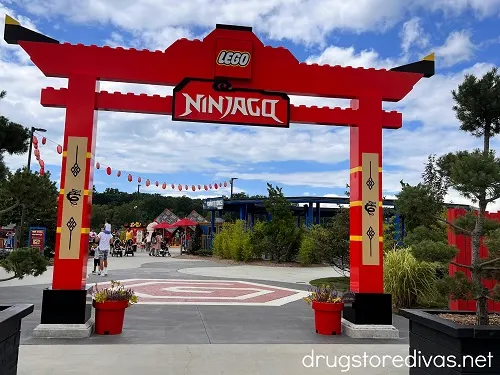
305, 159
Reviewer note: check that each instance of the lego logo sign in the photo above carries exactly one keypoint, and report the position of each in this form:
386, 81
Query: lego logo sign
198, 100
231, 58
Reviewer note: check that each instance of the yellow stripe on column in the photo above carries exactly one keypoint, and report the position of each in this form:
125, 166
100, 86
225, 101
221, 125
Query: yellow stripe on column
89, 155
65, 154
61, 192
85, 230
360, 203
360, 169
58, 230
360, 238
85, 192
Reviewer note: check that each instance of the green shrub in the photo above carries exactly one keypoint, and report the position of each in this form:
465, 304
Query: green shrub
309, 253
407, 279
233, 242
259, 243
24, 262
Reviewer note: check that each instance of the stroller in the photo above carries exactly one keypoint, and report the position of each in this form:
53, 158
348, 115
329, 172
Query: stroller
117, 248
130, 248
164, 249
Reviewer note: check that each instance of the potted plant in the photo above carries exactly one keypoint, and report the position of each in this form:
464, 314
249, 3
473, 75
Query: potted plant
328, 305
110, 304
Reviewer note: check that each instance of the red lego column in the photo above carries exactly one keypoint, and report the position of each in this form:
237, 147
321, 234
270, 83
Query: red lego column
371, 305
366, 217
75, 199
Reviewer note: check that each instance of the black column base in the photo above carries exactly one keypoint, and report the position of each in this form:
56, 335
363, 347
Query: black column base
369, 308
65, 307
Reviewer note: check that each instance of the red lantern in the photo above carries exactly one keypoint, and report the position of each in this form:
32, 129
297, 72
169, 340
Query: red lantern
225, 184
42, 171
148, 182
210, 186
35, 146
173, 186
37, 153
97, 166
205, 187
108, 171
42, 163
129, 178
156, 183
118, 174
164, 186
216, 186
35, 140
59, 149
37, 158
44, 140
139, 179
179, 187
193, 188
199, 187
186, 187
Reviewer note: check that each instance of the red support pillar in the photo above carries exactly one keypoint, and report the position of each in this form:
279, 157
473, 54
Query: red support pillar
366, 217
66, 302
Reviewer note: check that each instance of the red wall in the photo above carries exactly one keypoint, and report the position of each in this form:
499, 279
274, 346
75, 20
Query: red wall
463, 243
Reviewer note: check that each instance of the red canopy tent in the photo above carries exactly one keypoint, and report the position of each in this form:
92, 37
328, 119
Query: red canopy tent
185, 223
164, 226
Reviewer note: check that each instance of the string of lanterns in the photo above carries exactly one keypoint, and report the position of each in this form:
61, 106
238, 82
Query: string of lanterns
36, 152
130, 177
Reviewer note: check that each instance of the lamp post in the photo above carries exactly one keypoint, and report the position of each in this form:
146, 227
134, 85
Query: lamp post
231, 181
23, 212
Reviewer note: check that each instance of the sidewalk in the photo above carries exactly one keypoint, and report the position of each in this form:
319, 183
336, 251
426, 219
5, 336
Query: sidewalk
279, 274
205, 359
115, 263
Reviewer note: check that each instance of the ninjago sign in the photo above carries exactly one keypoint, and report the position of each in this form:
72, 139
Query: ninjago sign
209, 101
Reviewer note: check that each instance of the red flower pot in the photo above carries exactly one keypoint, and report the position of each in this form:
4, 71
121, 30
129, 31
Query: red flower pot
109, 317
328, 318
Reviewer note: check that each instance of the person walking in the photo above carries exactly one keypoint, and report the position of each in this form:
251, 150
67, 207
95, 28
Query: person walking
104, 239
156, 243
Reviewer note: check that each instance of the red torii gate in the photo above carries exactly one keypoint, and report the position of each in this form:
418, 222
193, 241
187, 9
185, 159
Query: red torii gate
230, 67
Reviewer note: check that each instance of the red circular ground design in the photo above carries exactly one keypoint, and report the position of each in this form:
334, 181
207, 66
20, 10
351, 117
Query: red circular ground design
209, 292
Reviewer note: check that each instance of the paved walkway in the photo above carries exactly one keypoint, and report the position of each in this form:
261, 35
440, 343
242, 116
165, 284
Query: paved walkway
169, 330
284, 274
208, 359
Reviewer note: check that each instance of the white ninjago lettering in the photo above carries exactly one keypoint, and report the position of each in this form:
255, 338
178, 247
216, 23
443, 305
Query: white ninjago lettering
227, 105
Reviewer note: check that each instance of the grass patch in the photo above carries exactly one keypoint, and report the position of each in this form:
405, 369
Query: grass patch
340, 283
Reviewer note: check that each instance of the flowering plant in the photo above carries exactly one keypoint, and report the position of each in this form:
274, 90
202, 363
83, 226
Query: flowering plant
326, 294
116, 292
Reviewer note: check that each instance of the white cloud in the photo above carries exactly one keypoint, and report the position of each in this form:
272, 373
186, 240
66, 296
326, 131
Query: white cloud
139, 143
413, 33
302, 21
457, 48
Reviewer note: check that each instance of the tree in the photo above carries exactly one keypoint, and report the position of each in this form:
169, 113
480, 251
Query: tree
476, 175
477, 106
14, 139
332, 243
23, 262
281, 231
198, 235
39, 195
418, 205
